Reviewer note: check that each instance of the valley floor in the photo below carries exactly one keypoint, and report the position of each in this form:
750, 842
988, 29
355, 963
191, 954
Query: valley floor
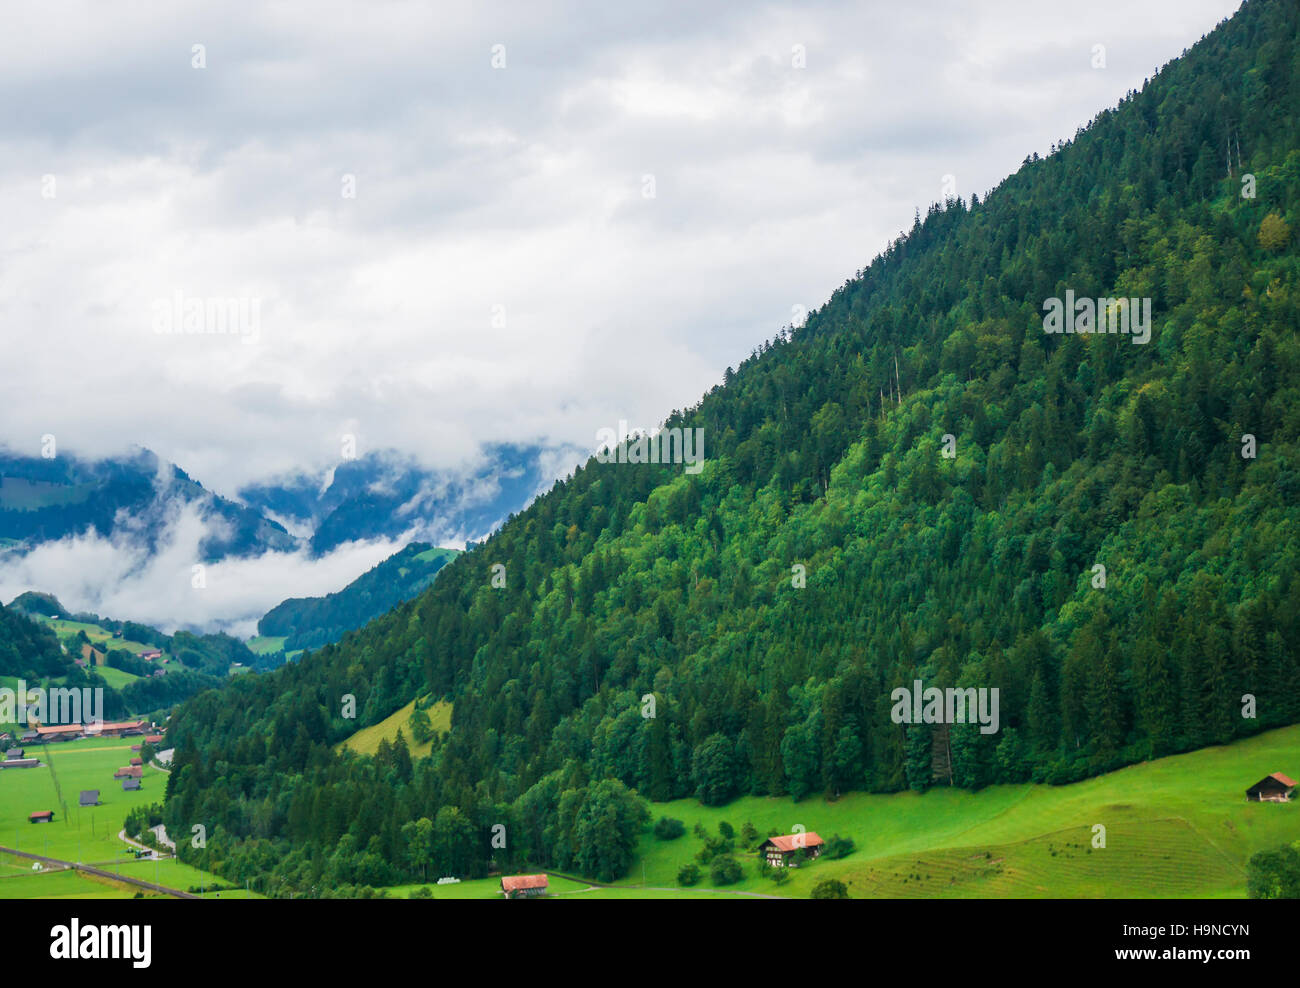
1177, 827
87, 835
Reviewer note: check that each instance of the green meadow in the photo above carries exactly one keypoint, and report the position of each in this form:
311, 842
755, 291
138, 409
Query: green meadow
98, 636
268, 645
265, 646
1177, 827
116, 678
561, 887
432, 553
366, 741
87, 835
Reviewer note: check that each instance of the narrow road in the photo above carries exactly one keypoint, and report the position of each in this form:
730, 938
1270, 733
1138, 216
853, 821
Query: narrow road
121, 835
101, 873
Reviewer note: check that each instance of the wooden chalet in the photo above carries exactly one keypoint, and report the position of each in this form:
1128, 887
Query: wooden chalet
785, 851
130, 785
89, 797
1275, 788
523, 886
14, 753
19, 763
41, 816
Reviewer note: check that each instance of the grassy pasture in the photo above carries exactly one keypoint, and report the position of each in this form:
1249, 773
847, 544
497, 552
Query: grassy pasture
98, 636
265, 646
366, 741
557, 888
116, 678
1176, 827
86, 834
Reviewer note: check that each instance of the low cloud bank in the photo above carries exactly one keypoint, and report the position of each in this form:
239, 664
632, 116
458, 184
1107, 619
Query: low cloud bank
119, 578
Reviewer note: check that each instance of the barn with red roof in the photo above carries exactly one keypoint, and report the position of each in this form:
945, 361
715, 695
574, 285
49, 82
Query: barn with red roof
523, 886
1275, 788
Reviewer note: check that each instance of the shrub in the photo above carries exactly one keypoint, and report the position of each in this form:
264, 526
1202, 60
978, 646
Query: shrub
667, 828
421, 726
839, 847
1274, 874
688, 875
726, 870
830, 888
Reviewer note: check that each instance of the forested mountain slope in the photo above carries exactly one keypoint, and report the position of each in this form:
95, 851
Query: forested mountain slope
309, 622
825, 451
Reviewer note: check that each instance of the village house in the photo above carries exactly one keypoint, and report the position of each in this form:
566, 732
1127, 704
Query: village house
41, 816
1275, 788
59, 732
130, 785
523, 886
14, 753
785, 851
115, 729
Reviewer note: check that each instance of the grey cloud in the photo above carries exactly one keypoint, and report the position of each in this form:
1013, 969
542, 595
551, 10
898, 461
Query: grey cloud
478, 188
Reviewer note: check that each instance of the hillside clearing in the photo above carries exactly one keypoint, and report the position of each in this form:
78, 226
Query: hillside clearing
366, 741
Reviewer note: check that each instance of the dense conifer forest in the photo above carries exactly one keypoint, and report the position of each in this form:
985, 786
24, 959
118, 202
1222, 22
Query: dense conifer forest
830, 551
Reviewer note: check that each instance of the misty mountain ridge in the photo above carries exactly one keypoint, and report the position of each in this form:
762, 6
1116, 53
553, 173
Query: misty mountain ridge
387, 493
136, 496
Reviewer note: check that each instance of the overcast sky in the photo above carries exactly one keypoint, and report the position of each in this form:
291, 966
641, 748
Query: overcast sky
591, 229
